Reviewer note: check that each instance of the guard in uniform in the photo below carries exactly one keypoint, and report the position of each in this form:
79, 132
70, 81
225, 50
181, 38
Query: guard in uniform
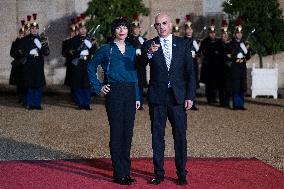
176, 28
35, 47
194, 51
68, 56
211, 50
81, 49
28, 25
224, 77
137, 41
240, 54
16, 71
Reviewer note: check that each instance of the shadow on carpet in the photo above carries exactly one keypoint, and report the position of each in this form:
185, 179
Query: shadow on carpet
204, 173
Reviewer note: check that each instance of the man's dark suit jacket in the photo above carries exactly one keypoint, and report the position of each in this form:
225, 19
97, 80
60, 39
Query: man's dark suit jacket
180, 74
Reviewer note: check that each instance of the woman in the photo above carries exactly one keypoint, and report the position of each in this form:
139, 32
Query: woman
122, 97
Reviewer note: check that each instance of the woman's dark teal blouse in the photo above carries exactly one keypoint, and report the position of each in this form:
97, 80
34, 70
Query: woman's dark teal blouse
118, 67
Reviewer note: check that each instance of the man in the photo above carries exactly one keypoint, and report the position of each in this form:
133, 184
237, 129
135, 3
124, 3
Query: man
240, 54
137, 41
176, 28
17, 53
81, 50
171, 92
194, 51
28, 25
33, 78
224, 77
68, 56
211, 50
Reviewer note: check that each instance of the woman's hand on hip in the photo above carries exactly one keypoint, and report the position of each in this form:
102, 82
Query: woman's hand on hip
105, 89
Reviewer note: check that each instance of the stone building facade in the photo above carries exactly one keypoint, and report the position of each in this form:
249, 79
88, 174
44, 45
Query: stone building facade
57, 14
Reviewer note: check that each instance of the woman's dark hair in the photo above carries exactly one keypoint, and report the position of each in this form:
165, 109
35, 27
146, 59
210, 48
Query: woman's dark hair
119, 22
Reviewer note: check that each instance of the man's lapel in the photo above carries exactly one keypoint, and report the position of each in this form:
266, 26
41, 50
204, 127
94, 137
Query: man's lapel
174, 51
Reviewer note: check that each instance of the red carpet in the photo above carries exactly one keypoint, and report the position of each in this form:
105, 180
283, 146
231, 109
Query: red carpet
87, 174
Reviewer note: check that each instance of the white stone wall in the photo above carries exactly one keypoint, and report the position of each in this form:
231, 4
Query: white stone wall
212, 6
175, 8
81, 5
7, 32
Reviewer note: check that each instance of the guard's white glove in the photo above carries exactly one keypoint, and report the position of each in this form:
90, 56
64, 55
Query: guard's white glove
137, 105
141, 40
84, 53
242, 45
196, 46
34, 52
138, 52
193, 54
88, 43
240, 55
37, 43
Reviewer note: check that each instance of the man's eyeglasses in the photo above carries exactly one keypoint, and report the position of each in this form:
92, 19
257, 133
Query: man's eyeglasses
159, 24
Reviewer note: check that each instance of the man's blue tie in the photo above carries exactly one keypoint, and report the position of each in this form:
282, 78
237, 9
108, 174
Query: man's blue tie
167, 53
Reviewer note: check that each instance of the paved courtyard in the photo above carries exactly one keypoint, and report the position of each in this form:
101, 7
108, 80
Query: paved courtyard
62, 132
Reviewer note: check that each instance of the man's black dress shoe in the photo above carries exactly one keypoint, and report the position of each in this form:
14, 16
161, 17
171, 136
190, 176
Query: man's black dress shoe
182, 181
130, 179
156, 180
122, 181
